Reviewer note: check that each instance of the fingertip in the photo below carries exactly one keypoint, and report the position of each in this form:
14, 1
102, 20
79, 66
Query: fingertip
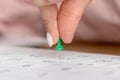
67, 26
52, 31
55, 36
51, 39
49, 14
55, 40
66, 41
66, 36
69, 16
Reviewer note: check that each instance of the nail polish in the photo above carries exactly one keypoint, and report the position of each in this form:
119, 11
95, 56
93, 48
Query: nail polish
49, 39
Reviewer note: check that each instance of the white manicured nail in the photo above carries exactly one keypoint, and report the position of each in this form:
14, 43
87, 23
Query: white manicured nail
49, 39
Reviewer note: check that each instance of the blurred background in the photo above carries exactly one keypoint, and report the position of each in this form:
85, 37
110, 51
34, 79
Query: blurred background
21, 25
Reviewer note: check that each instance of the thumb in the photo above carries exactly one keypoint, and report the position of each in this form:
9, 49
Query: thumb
69, 16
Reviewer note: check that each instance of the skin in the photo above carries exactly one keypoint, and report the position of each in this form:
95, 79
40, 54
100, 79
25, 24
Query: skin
100, 22
59, 23
64, 22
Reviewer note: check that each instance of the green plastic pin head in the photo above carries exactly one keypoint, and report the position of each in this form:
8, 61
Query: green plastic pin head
59, 46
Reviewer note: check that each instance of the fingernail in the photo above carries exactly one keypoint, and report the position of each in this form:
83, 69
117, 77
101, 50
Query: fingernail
49, 39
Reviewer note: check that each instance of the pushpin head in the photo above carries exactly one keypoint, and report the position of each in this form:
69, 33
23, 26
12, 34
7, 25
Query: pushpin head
59, 46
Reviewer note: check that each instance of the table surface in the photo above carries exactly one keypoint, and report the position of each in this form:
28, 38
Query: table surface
89, 47
102, 48
82, 46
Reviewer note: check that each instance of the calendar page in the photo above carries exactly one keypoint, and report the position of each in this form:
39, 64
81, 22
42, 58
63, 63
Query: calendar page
20, 63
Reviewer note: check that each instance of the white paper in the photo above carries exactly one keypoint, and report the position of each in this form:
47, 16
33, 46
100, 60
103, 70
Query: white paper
41, 64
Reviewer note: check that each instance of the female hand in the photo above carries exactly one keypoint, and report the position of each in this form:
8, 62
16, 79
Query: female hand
62, 23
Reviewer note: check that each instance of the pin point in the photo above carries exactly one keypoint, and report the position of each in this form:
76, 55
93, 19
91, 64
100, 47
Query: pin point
59, 46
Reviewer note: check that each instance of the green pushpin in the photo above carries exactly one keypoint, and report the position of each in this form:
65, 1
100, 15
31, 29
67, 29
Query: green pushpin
59, 46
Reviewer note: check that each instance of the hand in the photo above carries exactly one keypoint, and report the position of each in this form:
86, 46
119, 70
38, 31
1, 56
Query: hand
62, 23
